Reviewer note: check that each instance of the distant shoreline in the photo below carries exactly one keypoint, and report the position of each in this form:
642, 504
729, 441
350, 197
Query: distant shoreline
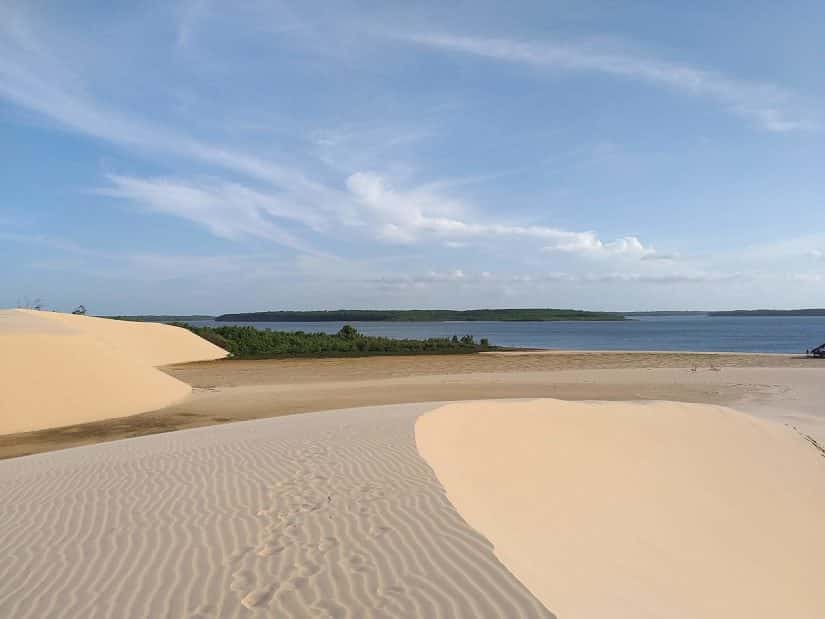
458, 316
425, 315
758, 313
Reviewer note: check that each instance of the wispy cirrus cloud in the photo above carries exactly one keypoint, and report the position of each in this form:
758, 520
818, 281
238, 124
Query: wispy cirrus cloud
369, 207
407, 216
228, 210
36, 79
766, 105
253, 194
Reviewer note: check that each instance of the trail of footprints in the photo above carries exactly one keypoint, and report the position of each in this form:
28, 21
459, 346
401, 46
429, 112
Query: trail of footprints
299, 538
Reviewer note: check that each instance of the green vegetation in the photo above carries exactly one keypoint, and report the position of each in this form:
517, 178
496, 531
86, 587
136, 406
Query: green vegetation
419, 315
160, 318
764, 312
252, 343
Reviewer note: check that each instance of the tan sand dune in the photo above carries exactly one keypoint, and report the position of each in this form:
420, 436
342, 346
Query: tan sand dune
59, 369
149, 342
607, 509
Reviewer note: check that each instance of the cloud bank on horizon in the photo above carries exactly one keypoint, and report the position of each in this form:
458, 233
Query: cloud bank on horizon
201, 157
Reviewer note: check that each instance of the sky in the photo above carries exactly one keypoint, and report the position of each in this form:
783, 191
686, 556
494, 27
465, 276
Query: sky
210, 157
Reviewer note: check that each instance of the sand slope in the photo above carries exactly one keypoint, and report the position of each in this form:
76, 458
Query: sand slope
59, 369
149, 342
318, 515
639, 510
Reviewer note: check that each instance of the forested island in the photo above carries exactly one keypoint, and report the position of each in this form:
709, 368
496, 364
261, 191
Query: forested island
419, 315
667, 313
252, 343
161, 318
765, 312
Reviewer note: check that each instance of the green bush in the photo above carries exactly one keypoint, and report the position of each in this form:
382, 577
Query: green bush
249, 342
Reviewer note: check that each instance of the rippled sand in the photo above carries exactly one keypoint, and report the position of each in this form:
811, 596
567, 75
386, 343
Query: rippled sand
317, 515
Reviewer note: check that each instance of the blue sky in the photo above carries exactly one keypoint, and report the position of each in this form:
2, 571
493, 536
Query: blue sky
207, 157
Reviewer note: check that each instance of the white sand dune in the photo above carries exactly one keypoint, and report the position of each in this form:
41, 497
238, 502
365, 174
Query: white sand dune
639, 510
60, 369
318, 515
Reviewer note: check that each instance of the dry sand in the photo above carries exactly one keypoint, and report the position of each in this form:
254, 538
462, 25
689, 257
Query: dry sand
59, 369
337, 514
788, 388
639, 510
317, 515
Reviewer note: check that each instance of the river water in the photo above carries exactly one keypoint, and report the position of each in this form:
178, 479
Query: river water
786, 334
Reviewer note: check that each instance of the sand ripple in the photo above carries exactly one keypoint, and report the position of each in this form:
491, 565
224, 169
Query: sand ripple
319, 515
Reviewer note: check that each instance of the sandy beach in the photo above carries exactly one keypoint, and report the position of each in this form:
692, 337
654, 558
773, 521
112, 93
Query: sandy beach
489, 485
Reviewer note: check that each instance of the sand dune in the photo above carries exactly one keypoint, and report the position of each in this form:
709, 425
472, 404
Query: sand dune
318, 515
152, 343
639, 510
60, 369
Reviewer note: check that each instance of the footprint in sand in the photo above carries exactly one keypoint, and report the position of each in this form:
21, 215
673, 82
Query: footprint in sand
328, 543
259, 598
309, 569
378, 531
328, 609
203, 612
267, 550
390, 590
356, 563
298, 582
242, 581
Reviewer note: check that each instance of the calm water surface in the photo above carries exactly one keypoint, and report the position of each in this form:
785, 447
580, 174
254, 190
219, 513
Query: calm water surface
791, 334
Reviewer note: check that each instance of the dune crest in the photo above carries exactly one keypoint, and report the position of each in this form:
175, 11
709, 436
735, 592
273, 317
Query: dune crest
60, 369
610, 509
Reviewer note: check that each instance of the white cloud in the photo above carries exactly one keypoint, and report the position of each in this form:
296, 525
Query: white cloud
371, 207
284, 197
587, 243
407, 216
487, 279
227, 210
661, 256
698, 277
767, 105
454, 276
